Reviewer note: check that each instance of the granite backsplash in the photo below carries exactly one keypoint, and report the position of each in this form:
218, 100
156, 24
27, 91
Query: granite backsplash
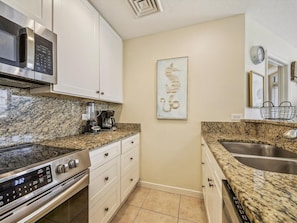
30, 118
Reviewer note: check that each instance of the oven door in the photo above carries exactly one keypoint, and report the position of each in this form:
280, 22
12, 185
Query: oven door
73, 210
69, 206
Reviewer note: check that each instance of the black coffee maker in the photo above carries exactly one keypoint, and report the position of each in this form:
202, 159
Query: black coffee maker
106, 120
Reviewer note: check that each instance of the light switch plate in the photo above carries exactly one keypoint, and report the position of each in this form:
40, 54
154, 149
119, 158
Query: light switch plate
236, 117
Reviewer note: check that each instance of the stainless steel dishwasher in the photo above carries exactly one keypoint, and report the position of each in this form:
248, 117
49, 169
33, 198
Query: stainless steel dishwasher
232, 209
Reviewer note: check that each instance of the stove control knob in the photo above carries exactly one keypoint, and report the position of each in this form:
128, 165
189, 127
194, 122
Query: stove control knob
62, 168
73, 163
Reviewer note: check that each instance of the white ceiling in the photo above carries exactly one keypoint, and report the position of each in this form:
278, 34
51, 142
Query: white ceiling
280, 16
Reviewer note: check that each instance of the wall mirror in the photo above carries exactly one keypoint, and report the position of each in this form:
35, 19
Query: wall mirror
276, 80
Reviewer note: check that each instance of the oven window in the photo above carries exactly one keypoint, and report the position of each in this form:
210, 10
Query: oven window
74, 210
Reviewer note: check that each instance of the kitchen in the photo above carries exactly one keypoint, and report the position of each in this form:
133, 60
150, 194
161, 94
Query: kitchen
213, 46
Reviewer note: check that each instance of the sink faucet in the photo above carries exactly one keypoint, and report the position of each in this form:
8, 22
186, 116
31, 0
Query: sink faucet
290, 134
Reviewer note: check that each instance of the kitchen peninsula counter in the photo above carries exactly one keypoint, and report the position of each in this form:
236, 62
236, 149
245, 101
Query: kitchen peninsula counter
267, 197
94, 140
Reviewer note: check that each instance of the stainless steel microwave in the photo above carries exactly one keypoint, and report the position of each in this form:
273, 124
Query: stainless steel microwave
28, 51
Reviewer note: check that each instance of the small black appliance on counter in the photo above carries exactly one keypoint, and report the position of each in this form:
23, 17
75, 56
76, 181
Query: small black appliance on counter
106, 120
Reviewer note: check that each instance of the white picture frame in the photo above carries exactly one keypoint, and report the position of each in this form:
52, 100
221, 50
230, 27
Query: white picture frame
256, 88
172, 88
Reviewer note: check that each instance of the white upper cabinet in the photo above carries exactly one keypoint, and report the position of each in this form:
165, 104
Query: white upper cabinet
39, 10
76, 23
89, 55
111, 64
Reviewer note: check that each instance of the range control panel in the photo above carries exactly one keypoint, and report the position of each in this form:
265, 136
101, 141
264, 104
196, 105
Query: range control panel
20, 186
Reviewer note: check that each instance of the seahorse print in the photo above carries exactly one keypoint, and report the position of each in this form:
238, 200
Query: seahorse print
171, 89
175, 83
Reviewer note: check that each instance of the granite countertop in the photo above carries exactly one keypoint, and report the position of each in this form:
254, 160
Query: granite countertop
267, 197
90, 140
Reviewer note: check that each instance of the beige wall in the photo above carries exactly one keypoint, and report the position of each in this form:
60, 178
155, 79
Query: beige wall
170, 149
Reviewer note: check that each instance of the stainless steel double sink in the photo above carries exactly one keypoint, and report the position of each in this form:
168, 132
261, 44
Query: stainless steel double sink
263, 156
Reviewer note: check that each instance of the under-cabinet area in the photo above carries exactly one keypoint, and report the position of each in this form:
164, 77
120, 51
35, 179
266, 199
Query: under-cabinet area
114, 172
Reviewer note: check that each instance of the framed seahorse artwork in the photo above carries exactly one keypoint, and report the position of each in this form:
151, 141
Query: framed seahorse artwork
172, 88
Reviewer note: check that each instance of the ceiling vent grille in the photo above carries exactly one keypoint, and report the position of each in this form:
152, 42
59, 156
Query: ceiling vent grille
146, 7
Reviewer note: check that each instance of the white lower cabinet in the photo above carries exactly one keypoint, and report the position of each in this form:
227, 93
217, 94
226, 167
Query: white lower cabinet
212, 177
114, 172
104, 187
103, 207
129, 165
128, 182
104, 176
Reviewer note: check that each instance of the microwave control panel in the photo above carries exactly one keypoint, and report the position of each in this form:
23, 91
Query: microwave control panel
43, 55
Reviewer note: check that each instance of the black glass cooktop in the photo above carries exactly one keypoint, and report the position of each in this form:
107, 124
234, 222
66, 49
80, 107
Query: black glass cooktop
16, 157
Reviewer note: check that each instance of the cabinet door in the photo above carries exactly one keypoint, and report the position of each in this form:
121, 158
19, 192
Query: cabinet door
103, 207
205, 174
212, 185
129, 181
76, 23
111, 64
101, 178
39, 10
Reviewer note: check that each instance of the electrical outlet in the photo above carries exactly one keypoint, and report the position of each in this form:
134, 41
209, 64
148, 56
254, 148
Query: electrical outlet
84, 117
236, 117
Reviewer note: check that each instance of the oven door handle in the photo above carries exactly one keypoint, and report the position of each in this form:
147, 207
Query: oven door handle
57, 200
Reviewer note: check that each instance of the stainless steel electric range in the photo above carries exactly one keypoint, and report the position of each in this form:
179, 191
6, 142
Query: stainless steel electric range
36, 181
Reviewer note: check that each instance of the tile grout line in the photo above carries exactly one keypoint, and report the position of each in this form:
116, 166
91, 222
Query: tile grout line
157, 212
177, 217
179, 204
141, 206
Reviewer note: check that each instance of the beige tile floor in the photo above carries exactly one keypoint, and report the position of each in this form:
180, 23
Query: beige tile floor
152, 206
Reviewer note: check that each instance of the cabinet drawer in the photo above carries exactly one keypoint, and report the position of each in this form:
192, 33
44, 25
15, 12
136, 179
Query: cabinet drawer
104, 176
103, 207
130, 143
128, 181
103, 154
129, 160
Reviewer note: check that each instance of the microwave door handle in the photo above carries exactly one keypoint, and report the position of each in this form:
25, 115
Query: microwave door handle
27, 48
